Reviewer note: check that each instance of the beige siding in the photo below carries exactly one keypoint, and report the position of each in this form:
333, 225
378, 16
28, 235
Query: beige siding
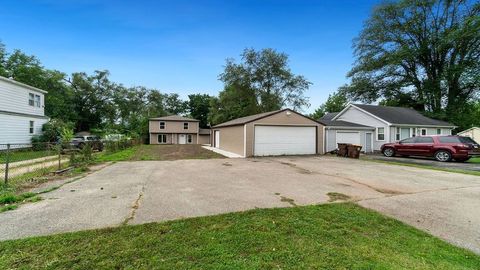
231, 139
282, 119
171, 138
203, 139
154, 138
473, 133
172, 127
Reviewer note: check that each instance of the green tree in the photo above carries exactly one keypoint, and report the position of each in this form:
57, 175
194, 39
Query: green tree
424, 53
233, 102
92, 99
199, 108
335, 103
267, 74
174, 105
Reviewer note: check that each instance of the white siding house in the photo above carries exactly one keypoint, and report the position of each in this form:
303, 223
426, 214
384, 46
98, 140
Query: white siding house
391, 124
21, 111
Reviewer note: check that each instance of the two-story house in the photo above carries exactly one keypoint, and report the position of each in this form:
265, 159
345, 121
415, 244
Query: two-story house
175, 129
21, 112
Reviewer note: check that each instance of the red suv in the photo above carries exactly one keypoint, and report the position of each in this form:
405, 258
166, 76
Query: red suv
442, 148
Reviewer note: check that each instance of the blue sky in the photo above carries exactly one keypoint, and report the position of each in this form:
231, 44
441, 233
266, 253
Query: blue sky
181, 46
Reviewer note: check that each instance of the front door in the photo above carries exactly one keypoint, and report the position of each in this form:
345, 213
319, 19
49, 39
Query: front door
368, 142
182, 139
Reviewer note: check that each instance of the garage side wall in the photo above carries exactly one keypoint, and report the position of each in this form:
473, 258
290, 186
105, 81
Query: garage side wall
231, 139
203, 139
282, 118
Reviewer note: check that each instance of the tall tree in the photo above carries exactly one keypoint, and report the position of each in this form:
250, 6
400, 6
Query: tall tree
268, 75
174, 105
233, 102
426, 53
199, 108
335, 103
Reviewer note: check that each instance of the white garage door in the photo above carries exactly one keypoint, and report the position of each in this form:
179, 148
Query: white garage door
281, 140
348, 137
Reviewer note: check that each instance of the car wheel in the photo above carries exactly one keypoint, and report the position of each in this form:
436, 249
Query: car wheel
388, 152
443, 156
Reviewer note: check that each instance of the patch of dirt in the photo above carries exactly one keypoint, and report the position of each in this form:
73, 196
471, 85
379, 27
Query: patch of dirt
135, 206
227, 164
288, 200
299, 169
336, 196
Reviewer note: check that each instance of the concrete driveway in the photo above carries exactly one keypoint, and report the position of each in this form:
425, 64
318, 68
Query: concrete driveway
445, 204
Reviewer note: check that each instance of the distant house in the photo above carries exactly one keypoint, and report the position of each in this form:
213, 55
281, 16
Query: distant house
473, 133
175, 129
21, 112
371, 125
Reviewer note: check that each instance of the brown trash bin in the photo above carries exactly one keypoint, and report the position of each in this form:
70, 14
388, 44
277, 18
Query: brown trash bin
342, 149
354, 150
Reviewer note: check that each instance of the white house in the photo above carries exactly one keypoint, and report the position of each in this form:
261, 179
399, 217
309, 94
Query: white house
388, 124
473, 133
21, 111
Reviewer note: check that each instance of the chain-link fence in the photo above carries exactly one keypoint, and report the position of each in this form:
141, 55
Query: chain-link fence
25, 161
28, 162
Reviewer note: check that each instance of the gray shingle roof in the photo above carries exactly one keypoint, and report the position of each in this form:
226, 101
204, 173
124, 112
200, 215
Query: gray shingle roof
329, 116
330, 123
401, 115
174, 118
204, 131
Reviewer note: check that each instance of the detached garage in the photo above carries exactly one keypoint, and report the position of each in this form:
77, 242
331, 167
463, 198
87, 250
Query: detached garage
282, 132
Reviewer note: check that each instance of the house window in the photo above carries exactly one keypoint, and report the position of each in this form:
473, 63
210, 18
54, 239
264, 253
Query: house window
37, 101
439, 131
397, 134
31, 99
189, 138
380, 134
185, 125
31, 127
162, 138
162, 125
423, 131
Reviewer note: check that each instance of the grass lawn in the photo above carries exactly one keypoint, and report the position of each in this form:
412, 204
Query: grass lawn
331, 236
160, 152
15, 156
474, 160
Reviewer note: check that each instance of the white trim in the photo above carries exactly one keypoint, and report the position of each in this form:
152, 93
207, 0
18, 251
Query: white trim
245, 140
371, 142
160, 125
384, 134
22, 85
324, 138
421, 131
362, 110
431, 126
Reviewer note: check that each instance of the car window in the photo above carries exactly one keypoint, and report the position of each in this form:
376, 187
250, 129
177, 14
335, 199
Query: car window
467, 140
423, 140
449, 139
409, 140
78, 137
89, 138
